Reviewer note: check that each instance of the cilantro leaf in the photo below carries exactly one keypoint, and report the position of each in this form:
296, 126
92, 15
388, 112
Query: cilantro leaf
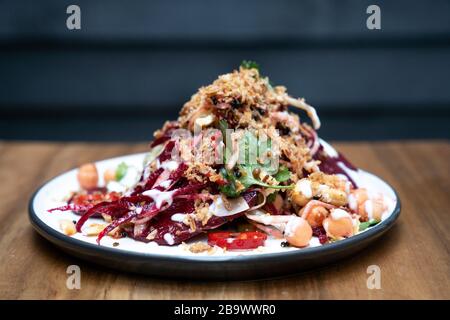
253, 152
283, 174
248, 180
249, 64
229, 189
364, 225
271, 197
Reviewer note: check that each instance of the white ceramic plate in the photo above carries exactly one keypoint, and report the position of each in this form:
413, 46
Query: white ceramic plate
52, 195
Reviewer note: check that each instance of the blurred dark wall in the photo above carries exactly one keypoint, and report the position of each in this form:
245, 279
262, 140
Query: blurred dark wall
134, 63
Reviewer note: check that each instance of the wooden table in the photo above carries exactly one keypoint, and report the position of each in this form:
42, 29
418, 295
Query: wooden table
413, 257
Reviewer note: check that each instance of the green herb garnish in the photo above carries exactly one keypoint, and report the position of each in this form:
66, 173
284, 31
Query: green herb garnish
249, 64
253, 151
364, 225
271, 197
283, 174
230, 188
121, 171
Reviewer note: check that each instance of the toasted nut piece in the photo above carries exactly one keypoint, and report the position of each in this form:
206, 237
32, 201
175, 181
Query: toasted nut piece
88, 176
199, 247
67, 227
332, 196
116, 233
107, 217
306, 189
94, 229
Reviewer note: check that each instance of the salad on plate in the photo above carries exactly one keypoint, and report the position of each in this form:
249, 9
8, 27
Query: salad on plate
237, 169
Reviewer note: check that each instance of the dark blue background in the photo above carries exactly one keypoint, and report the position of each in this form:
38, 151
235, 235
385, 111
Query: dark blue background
134, 63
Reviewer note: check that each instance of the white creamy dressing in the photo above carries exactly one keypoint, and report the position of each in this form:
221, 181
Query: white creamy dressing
353, 174
170, 165
368, 207
352, 203
237, 205
169, 238
304, 187
348, 186
292, 225
338, 214
160, 197
178, 217
165, 184
329, 150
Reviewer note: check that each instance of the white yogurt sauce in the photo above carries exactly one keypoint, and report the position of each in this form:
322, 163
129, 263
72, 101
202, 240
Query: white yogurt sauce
292, 225
304, 187
337, 214
165, 184
169, 238
178, 217
170, 165
352, 203
329, 150
368, 207
160, 197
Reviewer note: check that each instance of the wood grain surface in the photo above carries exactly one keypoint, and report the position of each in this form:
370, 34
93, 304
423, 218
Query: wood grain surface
413, 256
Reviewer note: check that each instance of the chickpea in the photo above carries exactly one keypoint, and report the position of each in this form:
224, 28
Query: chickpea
109, 175
316, 216
88, 176
367, 207
298, 232
339, 224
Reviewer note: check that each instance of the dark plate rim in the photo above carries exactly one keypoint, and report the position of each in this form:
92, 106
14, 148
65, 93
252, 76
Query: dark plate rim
46, 231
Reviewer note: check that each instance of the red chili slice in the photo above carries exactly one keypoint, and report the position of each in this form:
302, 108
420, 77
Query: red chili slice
86, 199
237, 240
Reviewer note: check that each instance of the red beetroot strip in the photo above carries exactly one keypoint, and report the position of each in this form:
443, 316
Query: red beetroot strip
138, 207
179, 231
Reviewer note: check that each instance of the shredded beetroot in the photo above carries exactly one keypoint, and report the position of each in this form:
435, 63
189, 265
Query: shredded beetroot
176, 175
103, 207
167, 152
330, 165
115, 224
72, 207
320, 233
178, 232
